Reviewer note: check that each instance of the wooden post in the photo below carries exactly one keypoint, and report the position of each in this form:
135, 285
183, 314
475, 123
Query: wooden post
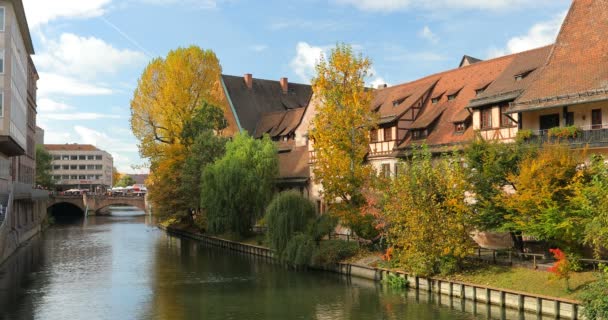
539, 306
503, 298
462, 292
520, 303
474, 295
557, 309
451, 292
574, 311
417, 282
488, 296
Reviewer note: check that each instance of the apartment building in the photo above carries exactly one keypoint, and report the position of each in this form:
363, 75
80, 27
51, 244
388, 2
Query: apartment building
80, 166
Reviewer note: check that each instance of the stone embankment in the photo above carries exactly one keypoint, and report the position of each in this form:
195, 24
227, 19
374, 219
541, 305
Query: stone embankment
470, 297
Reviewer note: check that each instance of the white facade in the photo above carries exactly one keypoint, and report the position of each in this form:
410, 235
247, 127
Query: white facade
84, 169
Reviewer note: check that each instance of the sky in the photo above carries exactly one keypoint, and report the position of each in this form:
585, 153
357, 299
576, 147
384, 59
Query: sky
90, 53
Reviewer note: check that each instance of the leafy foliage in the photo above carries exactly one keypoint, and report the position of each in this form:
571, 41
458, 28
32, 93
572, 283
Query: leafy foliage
427, 215
43, 167
544, 186
238, 186
564, 132
340, 130
330, 252
125, 181
564, 266
396, 282
287, 215
595, 297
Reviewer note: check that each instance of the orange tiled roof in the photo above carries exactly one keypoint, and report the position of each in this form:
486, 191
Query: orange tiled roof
464, 81
70, 147
577, 68
393, 102
506, 87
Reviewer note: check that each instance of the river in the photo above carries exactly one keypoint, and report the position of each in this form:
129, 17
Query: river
122, 267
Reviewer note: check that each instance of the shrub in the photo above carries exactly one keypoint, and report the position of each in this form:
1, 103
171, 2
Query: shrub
323, 226
564, 266
595, 297
523, 135
395, 282
564, 132
333, 251
299, 250
288, 214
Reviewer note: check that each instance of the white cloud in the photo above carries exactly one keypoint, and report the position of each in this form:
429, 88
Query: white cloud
52, 83
118, 147
377, 82
40, 12
397, 5
429, 35
307, 57
540, 34
85, 56
79, 116
199, 4
259, 47
49, 105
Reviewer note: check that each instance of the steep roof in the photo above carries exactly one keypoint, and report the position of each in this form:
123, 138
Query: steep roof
577, 68
70, 147
279, 123
463, 81
294, 164
393, 102
265, 96
507, 87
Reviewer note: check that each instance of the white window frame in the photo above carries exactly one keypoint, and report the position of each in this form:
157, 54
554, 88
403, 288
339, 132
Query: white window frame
1, 104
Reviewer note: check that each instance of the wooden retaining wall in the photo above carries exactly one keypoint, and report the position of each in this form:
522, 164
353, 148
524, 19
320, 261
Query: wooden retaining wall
514, 300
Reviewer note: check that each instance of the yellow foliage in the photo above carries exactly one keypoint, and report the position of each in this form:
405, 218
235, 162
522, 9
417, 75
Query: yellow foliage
340, 130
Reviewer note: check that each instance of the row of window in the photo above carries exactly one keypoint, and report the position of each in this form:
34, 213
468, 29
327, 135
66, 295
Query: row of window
78, 167
486, 118
74, 157
80, 177
388, 135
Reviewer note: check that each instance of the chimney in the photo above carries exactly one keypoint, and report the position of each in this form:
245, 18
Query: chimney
284, 85
382, 86
248, 80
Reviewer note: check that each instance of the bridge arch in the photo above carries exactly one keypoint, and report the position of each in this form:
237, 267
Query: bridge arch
139, 205
66, 209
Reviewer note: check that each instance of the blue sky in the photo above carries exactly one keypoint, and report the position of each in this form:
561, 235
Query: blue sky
90, 53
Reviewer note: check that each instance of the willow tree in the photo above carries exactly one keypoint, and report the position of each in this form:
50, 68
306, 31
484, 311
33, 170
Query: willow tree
288, 214
341, 130
168, 95
237, 187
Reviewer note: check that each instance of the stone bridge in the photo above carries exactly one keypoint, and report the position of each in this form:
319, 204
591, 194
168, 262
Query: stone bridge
94, 204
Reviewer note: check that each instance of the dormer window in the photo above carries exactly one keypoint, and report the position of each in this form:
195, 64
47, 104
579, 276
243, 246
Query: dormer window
398, 102
521, 76
435, 100
460, 127
479, 91
418, 134
452, 96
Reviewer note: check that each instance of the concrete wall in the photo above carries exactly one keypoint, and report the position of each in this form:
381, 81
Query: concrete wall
24, 219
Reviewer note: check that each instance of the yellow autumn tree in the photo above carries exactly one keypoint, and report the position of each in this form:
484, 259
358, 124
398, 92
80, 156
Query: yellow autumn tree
169, 93
427, 216
340, 130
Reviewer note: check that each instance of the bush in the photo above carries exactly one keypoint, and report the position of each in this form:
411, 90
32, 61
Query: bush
523, 135
288, 214
333, 251
395, 282
299, 250
323, 226
595, 297
564, 132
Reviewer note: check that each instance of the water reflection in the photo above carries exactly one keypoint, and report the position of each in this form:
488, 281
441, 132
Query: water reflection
122, 267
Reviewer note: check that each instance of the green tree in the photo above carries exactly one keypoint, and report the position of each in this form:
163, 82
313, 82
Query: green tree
428, 220
288, 214
489, 166
43, 167
237, 187
541, 205
125, 181
340, 130
204, 147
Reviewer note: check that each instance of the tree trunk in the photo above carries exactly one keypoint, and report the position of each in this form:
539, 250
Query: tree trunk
518, 241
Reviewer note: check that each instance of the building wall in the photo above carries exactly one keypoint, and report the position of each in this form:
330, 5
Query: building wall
582, 115
83, 178
497, 132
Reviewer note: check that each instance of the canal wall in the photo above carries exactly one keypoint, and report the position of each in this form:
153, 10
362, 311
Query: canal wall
23, 220
471, 296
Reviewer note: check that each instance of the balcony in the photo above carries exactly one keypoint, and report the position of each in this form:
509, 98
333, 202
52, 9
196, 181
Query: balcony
592, 136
